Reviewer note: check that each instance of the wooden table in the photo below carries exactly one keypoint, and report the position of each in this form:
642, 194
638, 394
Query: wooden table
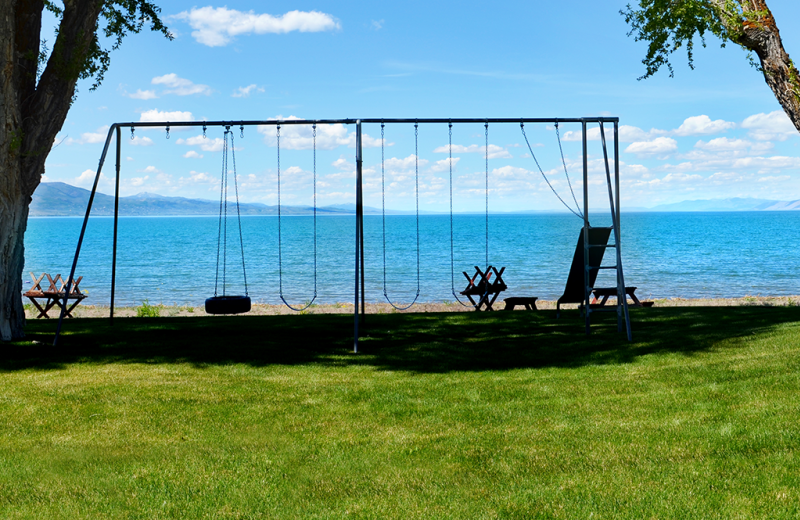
481, 286
54, 295
529, 302
606, 292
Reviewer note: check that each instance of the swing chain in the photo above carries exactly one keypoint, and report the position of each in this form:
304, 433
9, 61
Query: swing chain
204, 131
167, 130
132, 130
486, 132
241, 131
530, 148
452, 241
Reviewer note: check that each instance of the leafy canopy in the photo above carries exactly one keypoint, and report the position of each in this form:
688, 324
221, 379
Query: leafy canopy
119, 18
669, 25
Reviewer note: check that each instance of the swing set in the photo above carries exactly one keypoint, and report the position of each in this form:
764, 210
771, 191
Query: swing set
586, 262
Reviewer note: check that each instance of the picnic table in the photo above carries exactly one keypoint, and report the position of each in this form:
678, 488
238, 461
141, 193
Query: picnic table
481, 286
606, 292
54, 295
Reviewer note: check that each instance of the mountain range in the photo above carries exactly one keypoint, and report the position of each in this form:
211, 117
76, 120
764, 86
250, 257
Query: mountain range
53, 199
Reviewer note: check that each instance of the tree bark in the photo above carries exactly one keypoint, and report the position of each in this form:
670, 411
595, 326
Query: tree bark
32, 114
756, 31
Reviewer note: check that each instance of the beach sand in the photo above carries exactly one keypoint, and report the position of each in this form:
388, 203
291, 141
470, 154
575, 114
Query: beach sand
262, 309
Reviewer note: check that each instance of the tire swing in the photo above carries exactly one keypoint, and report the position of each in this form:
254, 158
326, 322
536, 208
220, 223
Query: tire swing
225, 303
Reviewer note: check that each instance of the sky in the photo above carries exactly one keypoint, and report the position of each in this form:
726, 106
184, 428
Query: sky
713, 132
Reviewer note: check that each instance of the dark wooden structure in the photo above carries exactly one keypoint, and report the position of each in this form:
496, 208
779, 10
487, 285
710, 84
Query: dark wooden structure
480, 285
55, 294
529, 302
607, 292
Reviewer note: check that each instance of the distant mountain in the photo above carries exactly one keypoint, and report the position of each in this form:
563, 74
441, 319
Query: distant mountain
53, 199
734, 204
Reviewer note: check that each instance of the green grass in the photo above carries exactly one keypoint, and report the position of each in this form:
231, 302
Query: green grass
495, 415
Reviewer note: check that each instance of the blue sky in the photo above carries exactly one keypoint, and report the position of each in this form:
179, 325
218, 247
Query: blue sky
714, 132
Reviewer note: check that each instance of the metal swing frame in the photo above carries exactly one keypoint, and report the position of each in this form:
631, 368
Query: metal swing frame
115, 131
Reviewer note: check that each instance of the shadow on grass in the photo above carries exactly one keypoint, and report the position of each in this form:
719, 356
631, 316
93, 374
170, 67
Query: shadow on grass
412, 342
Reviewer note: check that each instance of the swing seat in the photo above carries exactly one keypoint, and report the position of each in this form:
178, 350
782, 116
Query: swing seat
228, 305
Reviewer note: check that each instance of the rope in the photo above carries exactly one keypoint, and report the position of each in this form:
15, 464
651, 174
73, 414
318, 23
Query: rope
577, 214
452, 240
222, 233
566, 173
383, 212
280, 242
487, 193
238, 212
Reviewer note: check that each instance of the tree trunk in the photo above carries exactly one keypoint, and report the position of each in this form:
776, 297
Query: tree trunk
32, 114
756, 30
13, 221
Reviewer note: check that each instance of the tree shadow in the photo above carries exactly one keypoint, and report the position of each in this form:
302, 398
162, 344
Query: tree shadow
429, 343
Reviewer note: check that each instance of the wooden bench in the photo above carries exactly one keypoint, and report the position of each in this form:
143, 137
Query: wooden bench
54, 295
607, 292
529, 302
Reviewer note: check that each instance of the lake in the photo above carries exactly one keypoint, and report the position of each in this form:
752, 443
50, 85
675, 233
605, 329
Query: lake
172, 260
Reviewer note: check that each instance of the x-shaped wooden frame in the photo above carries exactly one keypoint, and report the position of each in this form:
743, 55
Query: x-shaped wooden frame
486, 291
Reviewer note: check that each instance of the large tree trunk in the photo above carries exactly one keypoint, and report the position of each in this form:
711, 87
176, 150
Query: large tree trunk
32, 114
756, 30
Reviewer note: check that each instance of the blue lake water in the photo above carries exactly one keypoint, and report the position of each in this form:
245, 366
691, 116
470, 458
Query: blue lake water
172, 260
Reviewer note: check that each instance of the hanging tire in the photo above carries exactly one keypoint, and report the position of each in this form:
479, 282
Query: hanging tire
228, 305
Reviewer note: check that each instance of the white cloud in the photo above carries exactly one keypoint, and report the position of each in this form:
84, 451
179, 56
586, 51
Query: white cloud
723, 144
495, 152
216, 27
658, 146
143, 94
243, 92
773, 126
98, 136
627, 134
702, 125
86, 178
191, 154
343, 164
180, 86
139, 181
156, 115
377, 25
444, 165
141, 141
301, 137
205, 144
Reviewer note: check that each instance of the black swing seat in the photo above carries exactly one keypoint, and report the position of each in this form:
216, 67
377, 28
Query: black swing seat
228, 305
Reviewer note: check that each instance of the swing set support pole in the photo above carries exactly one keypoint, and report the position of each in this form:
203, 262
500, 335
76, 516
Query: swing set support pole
359, 247
116, 222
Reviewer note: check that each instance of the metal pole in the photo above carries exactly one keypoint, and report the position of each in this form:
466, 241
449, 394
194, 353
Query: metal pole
619, 231
586, 228
359, 231
68, 287
116, 221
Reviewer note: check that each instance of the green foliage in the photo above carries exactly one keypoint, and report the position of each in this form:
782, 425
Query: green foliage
669, 25
119, 18
148, 311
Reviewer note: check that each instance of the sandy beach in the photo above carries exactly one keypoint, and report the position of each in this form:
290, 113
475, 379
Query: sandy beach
262, 309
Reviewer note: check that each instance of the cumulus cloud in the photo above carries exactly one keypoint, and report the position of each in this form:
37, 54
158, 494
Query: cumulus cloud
143, 94
301, 137
444, 165
205, 144
180, 86
243, 92
627, 134
495, 152
773, 126
98, 136
702, 125
157, 115
216, 27
723, 144
191, 154
141, 141
658, 146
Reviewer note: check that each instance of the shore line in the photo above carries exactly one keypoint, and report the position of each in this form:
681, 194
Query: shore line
263, 309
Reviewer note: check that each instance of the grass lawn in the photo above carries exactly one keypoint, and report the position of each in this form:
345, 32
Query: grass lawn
493, 415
